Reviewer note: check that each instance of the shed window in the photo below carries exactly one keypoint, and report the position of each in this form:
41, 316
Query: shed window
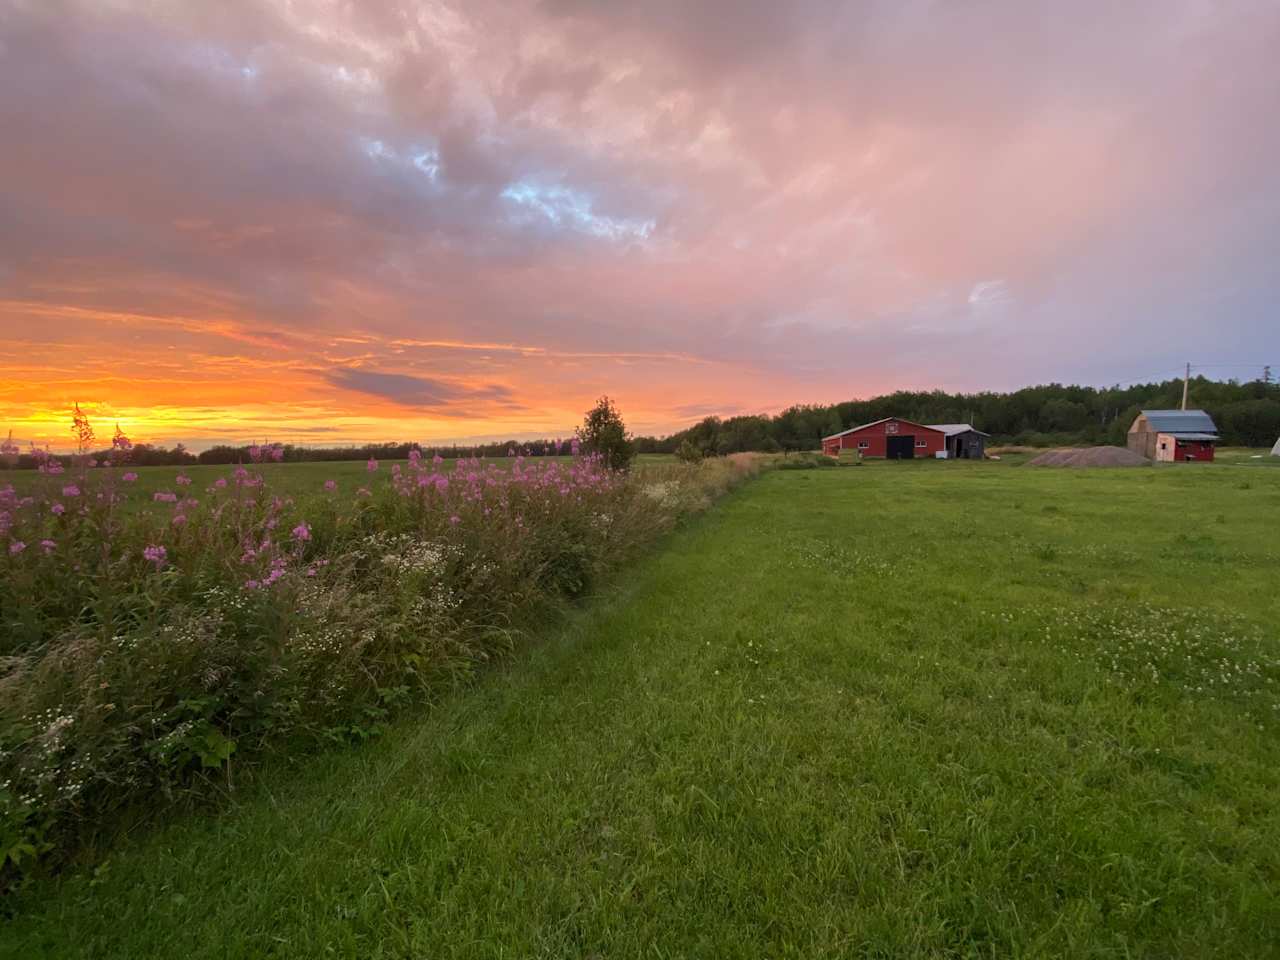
863, 444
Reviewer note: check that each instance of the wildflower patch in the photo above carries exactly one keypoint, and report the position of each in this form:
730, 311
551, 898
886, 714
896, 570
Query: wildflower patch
148, 643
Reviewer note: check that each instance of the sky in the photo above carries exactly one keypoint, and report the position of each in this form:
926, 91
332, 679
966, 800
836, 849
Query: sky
316, 221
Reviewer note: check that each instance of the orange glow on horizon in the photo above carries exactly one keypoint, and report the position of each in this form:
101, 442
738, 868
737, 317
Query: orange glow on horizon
172, 380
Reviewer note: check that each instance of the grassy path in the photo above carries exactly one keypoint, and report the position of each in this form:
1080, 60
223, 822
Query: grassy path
894, 711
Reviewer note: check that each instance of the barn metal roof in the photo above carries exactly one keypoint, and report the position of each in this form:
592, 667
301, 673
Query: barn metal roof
863, 426
951, 429
1180, 421
1192, 436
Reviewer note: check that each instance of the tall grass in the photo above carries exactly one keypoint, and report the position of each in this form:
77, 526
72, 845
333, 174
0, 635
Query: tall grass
146, 654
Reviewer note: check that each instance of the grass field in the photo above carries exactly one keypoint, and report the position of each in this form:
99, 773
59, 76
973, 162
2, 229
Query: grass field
970, 710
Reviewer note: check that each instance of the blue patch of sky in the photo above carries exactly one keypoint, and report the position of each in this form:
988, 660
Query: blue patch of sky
426, 160
569, 209
530, 203
219, 60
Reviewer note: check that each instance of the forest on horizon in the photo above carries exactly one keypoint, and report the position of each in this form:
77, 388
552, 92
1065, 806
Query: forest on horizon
1247, 414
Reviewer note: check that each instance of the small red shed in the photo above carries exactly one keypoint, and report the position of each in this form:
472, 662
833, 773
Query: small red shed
892, 437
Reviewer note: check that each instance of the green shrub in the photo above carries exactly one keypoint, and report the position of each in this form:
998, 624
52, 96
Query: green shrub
604, 434
689, 452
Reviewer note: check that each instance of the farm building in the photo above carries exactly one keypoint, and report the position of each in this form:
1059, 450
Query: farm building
963, 441
1173, 435
899, 439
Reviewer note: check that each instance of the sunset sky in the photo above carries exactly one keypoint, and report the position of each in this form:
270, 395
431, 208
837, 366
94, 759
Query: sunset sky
321, 221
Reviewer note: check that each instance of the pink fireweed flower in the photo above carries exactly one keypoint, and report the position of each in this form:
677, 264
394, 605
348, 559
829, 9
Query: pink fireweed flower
70, 490
129, 477
455, 519
251, 584
16, 547
182, 480
363, 492
220, 483
48, 545
255, 453
372, 465
57, 509
155, 554
330, 485
164, 496
437, 459
302, 532
277, 453
93, 463
179, 519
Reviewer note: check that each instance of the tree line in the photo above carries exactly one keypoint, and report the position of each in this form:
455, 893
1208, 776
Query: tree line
1247, 414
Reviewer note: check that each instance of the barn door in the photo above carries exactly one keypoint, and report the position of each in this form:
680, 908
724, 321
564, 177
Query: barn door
900, 448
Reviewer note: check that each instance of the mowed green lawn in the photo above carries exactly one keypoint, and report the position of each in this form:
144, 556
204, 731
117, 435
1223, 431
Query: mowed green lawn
931, 709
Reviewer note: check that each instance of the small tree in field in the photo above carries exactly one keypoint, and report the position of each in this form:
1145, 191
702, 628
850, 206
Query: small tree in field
689, 452
603, 432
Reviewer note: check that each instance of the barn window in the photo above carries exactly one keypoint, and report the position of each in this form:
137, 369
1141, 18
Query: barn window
922, 443
890, 428
863, 444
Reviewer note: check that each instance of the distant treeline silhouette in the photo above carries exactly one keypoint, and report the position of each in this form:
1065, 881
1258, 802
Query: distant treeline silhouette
1247, 414
149, 455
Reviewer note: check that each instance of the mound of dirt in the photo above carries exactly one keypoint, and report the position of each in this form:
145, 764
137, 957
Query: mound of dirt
1089, 457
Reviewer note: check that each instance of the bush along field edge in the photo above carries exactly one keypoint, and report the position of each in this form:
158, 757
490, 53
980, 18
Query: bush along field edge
148, 654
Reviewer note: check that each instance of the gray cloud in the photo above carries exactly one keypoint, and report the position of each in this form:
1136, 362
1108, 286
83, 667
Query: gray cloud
412, 391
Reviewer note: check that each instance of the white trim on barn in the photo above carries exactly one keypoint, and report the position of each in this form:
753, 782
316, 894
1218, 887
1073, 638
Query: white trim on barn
861, 426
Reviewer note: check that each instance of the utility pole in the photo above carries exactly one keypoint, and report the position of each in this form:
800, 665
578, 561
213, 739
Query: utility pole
1186, 378
1266, 373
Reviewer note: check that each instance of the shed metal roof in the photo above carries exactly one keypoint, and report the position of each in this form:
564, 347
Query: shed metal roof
1193, 436
951, 429
1180, 421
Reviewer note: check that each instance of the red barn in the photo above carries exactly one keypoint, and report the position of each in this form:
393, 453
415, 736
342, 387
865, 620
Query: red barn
892, 437
1174, 436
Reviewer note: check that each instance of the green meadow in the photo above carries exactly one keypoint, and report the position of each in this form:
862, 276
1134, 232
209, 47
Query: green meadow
898, 710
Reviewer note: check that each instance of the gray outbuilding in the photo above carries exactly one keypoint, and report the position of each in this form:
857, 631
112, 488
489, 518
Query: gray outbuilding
963, 441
